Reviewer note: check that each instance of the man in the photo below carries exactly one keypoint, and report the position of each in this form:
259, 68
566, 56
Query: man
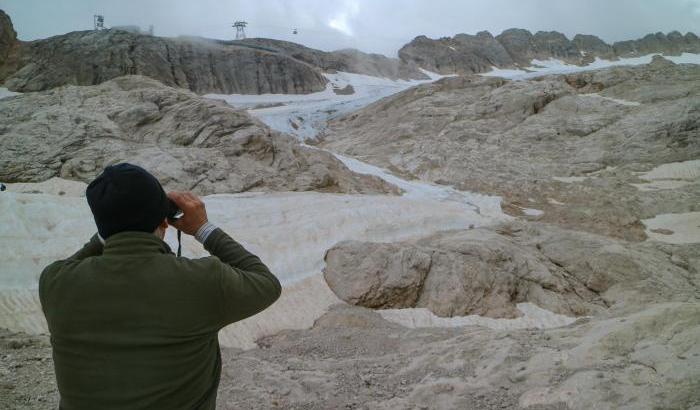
132, 325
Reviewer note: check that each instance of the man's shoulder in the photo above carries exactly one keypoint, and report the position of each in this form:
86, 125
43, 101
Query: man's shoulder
208, 265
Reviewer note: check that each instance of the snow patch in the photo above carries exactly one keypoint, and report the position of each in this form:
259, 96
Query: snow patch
290, 231
553, 66
615, 100
569, 180
532, 212
686, 170
533, 317
674, 228
53, 186
304, 115
670, 176
4, 93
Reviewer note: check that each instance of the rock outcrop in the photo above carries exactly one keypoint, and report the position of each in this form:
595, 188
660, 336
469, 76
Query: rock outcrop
515, 47
352, 357
188, 142
8, 36
569, 145
462, 54
592, 46
253, 66
9, 46
347, 60
200, 65
489, 271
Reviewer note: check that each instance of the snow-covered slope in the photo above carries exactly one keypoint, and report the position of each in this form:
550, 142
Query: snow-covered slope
306, 115
552, 66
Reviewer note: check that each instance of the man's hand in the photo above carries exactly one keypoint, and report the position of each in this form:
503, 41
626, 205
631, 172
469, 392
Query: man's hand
194, 212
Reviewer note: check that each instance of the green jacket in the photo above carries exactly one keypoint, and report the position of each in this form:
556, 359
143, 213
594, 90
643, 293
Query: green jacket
135, 327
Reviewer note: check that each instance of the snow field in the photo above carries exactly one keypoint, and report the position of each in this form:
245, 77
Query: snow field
305, 115
289, 231
553, 66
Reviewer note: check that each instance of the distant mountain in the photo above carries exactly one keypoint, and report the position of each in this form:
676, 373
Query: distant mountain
347, 60
254, 66
200, 65
515, 47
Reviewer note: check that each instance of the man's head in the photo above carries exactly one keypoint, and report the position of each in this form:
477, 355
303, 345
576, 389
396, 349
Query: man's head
126, 197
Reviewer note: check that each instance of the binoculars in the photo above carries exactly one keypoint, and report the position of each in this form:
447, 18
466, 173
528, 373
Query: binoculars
174, 213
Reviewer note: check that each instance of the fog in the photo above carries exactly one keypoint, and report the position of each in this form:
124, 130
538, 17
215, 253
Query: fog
381, 26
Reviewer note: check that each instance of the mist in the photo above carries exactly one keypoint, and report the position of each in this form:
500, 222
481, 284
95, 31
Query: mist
380, 26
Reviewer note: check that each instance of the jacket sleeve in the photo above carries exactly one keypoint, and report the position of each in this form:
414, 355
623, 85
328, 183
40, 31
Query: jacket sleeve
247, 285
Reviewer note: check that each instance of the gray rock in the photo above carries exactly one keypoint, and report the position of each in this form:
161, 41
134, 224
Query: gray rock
552, 44
200, 65
9, 46
488, 272
348, 60
519, 43
462, 54
593, 46
8, 36
188, 142
377, 275
672, 44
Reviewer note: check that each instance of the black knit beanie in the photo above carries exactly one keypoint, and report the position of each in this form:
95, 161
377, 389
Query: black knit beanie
126, 197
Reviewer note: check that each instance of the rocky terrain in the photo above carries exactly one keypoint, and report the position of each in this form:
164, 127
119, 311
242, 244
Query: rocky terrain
188, 142
251, 66
465, 53
347, 60
474, 242
200, 65
572, 146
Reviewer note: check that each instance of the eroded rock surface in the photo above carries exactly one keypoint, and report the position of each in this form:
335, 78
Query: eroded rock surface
347, 60
205, 66
489, 271
188, 142
464, 53
200, 65
568, 145
352, 358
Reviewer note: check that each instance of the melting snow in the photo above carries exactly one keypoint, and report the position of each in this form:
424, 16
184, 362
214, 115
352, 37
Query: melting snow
553, 66
670, 176
674, 228
304, 115
533, 317
290, 231
4, 93
569, 180
615, 100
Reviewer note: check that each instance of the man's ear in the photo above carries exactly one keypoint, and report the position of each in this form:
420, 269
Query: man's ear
164, 224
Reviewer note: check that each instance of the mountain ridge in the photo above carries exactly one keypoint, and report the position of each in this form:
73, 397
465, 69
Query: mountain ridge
518, 48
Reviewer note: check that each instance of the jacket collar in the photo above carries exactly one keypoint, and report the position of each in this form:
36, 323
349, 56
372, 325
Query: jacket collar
134, 243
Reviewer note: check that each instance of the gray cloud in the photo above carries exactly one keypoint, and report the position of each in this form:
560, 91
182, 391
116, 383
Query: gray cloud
371, 25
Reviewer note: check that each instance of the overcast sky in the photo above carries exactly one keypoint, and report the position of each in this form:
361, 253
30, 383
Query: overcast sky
381, 26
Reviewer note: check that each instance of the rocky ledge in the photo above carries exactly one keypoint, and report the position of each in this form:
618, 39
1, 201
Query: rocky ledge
188, 142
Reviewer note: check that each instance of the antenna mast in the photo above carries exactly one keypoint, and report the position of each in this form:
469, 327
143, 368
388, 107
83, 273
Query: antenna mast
240, 29
99, 21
